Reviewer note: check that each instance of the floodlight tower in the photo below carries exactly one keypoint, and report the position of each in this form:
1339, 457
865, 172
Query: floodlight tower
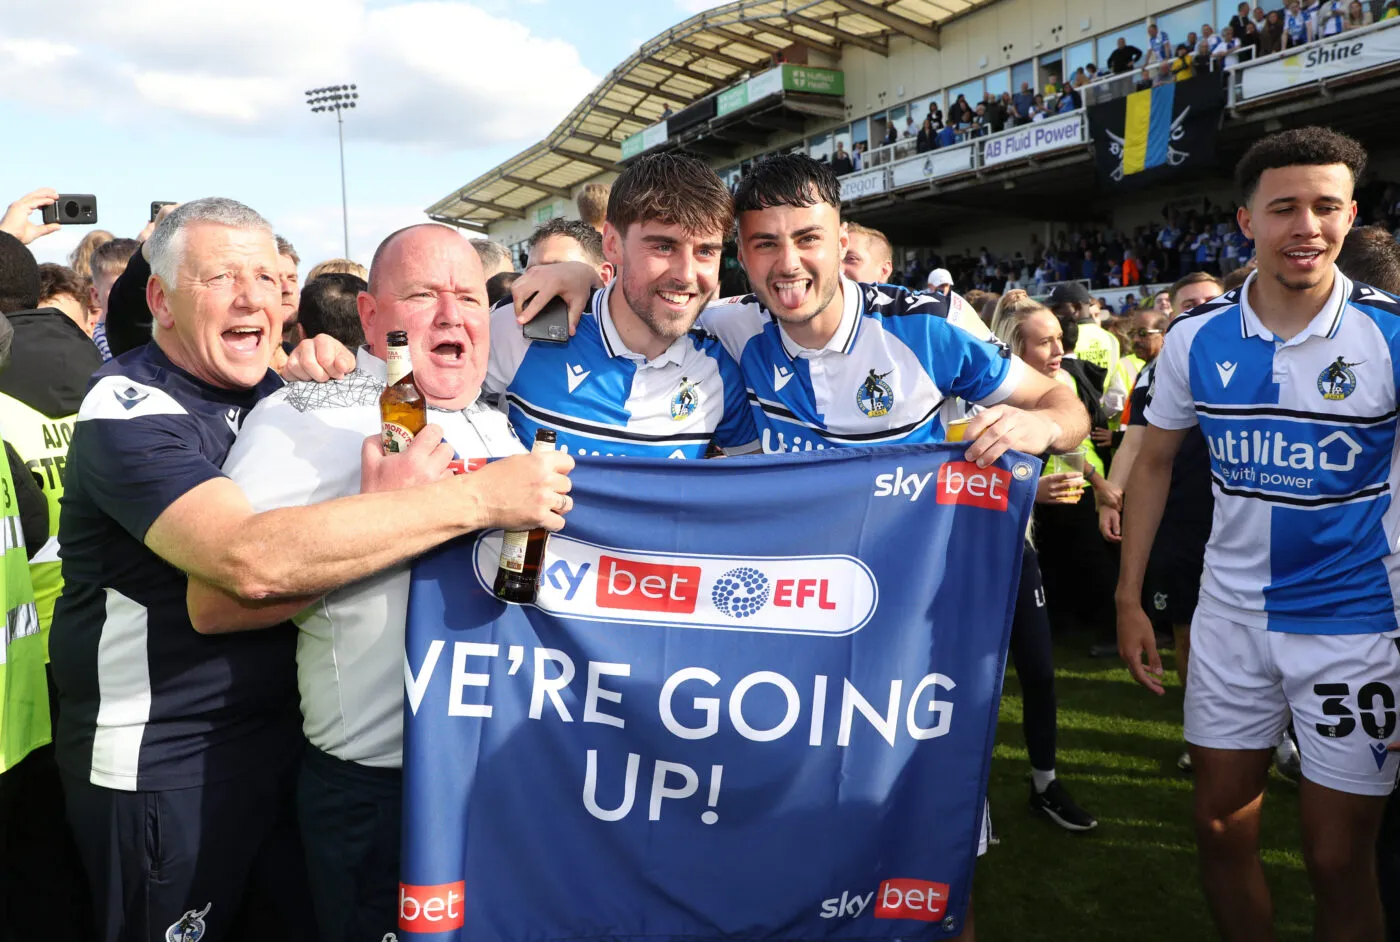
337, 98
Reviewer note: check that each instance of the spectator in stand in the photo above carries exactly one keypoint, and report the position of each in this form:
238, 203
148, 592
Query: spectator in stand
841, 161
1192, 41
996, 113
1038, 109
1124, 58
890, 136
80, 260
340, 266
1089, 268
1132, 273
1159, 47
1181, 64
1092, 71
910, 129
1271, 34
1240, 19
869, 258
1201, 62
62, 289
109, 260
1024, 100
1067, 104
857, 156
1226, 50
1358, 15
1079, 79
329, 305
1391, 10
1210, 37
947, 136
1249, 39
1331, 18
1297, 28
1207, 252
495, 258
592, 205
980, 124
928, 137
935, 114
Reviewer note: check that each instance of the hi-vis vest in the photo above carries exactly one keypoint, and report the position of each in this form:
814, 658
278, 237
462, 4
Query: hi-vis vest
24, 697
42, 444
1095, 345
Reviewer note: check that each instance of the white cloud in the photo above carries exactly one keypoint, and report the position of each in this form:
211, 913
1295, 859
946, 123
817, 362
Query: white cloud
431, 73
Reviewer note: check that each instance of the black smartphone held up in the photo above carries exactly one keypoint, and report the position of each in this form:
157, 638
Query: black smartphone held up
72, 209
550, 325
157, 206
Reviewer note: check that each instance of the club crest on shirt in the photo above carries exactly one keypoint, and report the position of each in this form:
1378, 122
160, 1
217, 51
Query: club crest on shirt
1337, 381
874, 396
190, 926
685, 400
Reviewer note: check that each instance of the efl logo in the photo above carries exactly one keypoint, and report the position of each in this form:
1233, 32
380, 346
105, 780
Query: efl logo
911, 899
962, 482
647, 587
431, 908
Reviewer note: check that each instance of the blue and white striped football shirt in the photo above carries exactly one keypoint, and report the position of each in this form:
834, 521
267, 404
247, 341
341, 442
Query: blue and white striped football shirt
600, 398
1302, 437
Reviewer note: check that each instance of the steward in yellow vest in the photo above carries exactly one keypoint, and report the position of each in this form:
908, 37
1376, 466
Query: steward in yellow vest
40, 393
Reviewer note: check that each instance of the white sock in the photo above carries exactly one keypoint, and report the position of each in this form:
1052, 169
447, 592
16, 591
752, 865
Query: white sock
1041, 780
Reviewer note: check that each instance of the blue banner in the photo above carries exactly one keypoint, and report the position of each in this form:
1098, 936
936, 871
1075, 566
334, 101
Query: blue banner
756, 700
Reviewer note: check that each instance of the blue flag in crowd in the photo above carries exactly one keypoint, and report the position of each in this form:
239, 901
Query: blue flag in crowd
757, 699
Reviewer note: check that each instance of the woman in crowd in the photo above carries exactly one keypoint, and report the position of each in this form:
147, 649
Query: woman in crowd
1358, 15
1079, 570
1031, 652
1271, 35
927, 136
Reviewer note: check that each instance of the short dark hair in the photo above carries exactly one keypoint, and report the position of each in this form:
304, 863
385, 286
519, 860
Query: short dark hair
1234, 279
674, 189
19, 276
328, 306
788, 180
588, 238
498, 286
60, 279
1298, 147
110, 258
1194, 278
1371, 256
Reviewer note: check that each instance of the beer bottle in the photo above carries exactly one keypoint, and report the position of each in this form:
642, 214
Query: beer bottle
522, 551
402, 408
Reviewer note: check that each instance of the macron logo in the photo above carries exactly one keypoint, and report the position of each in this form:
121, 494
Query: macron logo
576, 374
781, 376
1227, 372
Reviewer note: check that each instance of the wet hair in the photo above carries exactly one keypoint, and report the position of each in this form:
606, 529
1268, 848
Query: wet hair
788, 180
1298, 147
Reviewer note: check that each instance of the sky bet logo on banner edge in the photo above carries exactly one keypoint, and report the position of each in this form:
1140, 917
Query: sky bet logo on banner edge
756, 699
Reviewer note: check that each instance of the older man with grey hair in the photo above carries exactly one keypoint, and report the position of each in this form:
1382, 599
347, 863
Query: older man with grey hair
495, 257
179, 749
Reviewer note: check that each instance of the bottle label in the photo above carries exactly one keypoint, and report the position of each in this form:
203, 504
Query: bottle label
397, 365
396, 438
513, 550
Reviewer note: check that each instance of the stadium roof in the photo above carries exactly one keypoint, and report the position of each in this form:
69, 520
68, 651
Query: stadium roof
698, 57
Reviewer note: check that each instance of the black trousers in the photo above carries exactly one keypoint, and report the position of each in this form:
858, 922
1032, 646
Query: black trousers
1033, 657
1080, 569
219, 862
351, 821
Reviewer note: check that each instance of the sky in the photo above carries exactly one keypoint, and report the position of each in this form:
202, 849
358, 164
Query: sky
176, 99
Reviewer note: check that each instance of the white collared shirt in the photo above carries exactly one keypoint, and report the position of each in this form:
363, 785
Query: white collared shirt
300, 446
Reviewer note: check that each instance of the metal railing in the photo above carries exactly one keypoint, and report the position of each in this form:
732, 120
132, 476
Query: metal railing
1349, 56
1023, 142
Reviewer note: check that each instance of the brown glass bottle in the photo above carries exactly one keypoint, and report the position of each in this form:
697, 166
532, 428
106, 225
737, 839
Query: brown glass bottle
402, 408
522, 551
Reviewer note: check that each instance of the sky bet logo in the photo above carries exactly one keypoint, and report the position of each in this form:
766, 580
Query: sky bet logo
895, 899
812, 595
958, 482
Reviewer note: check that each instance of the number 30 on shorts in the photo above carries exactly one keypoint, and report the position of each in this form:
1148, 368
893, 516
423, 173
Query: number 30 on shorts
1375, 703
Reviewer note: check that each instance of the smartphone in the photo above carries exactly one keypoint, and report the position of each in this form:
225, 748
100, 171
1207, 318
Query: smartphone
72, 209
157, 206
550, 325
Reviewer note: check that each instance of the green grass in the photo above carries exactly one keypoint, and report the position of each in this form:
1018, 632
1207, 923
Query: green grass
1135, 876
